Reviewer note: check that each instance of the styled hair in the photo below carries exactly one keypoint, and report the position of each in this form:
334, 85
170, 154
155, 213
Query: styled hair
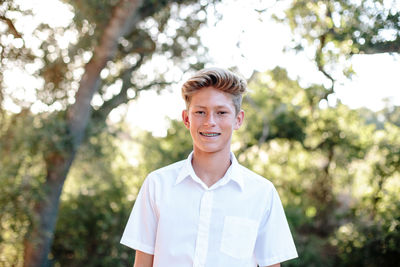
219, 79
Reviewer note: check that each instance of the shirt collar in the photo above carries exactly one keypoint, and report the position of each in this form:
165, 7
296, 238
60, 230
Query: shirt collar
233, 173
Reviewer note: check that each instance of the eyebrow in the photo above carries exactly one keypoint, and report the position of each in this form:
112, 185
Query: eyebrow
220, 106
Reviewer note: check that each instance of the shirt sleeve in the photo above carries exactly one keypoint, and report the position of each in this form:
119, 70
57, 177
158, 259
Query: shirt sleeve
274, 242
140, 231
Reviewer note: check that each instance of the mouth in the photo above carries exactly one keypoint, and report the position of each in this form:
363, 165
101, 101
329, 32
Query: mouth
209, 134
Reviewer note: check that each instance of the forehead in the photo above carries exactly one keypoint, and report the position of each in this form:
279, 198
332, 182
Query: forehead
209, 96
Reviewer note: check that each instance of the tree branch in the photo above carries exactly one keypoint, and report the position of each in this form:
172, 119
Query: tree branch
381, 47
78, 114
122, 96
148, 86
320, 65
11, 27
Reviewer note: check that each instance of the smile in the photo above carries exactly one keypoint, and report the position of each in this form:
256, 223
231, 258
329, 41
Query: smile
209, 134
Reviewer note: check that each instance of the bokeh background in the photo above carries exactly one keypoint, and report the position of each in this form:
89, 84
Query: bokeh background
90, 103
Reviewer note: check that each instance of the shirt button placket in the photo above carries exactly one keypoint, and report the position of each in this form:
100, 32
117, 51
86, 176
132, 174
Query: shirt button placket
201, 249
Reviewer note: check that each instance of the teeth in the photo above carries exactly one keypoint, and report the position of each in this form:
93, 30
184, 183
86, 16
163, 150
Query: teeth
210, 134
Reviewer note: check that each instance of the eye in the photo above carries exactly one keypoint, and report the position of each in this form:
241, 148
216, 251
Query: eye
222, 112
200, 112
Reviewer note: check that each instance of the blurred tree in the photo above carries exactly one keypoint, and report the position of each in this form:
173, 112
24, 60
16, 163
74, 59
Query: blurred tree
106, 64
336, 30
270, 104
21, 176
92, 213
370, 235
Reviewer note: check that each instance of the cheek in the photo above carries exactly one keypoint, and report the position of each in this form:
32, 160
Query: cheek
229, 125
193, 124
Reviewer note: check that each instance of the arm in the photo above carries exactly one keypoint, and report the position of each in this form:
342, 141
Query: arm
143, 259
274, 239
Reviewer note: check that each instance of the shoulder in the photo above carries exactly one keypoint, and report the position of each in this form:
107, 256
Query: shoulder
166, 173
254, 177
256, 182
160, 181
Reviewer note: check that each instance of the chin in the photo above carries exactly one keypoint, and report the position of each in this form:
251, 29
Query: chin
211, 149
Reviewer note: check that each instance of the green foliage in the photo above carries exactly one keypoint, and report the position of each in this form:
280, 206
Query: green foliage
95, 205
156, 152
337, 176
25, 140
89, 229
272, 110
336, 30
367, 241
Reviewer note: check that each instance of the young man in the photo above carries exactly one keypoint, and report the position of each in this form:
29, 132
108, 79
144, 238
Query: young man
208, 210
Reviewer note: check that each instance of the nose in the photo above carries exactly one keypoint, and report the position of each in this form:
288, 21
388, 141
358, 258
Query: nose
210, 120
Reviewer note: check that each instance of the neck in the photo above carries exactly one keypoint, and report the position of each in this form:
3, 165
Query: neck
210, 167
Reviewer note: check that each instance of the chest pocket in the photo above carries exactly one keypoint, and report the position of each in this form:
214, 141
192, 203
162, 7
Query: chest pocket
239, 237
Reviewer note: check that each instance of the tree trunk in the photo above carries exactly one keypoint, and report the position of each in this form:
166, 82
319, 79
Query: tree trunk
37, 244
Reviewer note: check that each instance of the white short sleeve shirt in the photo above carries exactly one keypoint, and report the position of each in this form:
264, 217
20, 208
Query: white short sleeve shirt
238, 221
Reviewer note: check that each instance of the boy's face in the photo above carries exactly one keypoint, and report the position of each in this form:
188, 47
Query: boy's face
211, 119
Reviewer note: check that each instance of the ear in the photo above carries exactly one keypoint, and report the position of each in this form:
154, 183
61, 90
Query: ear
239, 120
185, 118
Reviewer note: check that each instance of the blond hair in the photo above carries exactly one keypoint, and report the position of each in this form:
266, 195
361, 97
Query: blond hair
219, 79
